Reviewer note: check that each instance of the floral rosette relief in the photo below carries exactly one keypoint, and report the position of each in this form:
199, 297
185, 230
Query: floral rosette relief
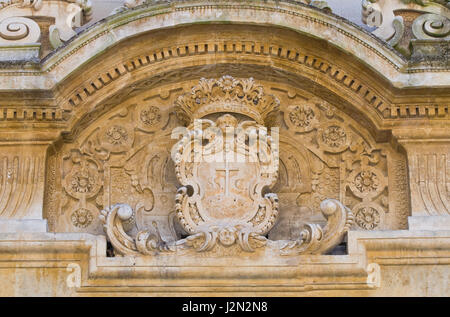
337, 154
107, 167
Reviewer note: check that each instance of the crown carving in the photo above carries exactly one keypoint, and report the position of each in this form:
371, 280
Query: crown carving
227, 94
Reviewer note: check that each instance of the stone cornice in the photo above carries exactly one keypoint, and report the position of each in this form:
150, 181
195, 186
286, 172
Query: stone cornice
304, 19
368, 253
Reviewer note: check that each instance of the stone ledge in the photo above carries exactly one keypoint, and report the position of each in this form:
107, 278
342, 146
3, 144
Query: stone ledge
433, 223
23, 225
19, 53
372, 257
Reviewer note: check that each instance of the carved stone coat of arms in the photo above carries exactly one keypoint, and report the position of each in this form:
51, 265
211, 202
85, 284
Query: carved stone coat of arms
226, 162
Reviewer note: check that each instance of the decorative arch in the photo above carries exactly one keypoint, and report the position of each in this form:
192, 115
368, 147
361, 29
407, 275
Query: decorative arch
188, 52
144, 66
327, 154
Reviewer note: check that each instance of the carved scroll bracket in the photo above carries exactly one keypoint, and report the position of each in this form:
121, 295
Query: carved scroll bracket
400, 22
19, 20
119, 223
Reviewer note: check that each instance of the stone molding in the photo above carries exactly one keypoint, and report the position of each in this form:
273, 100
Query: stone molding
115, 29
362, 271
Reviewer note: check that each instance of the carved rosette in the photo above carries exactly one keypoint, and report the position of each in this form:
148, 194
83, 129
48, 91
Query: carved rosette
82, 217
150, 118
368, 215
116, 138
334, 137
82, 182
367, 182
359, 177
301, 118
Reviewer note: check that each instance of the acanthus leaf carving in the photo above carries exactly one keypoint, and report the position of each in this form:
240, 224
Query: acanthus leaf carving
242, 96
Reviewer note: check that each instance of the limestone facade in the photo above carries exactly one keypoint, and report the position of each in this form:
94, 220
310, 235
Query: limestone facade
346, 191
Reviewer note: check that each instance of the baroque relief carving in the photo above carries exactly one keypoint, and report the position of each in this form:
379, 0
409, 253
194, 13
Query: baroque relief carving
327, 156
105, 167
225, 166
220, 190
341, 164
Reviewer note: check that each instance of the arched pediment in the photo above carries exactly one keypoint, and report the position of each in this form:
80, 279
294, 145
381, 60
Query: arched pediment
196, 146
181, 54
127, 145
297, 17
282, 41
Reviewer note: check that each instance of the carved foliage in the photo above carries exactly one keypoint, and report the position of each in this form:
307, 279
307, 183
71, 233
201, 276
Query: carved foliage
221, 202
242, 96
341, 163
118, 160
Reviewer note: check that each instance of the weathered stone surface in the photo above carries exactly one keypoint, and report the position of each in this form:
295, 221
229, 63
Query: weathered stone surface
359, 159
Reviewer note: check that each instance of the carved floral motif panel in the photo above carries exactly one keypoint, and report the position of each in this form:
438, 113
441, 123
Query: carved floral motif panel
124, 157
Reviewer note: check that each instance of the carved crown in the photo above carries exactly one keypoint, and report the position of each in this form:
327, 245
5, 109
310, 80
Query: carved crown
227, 94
